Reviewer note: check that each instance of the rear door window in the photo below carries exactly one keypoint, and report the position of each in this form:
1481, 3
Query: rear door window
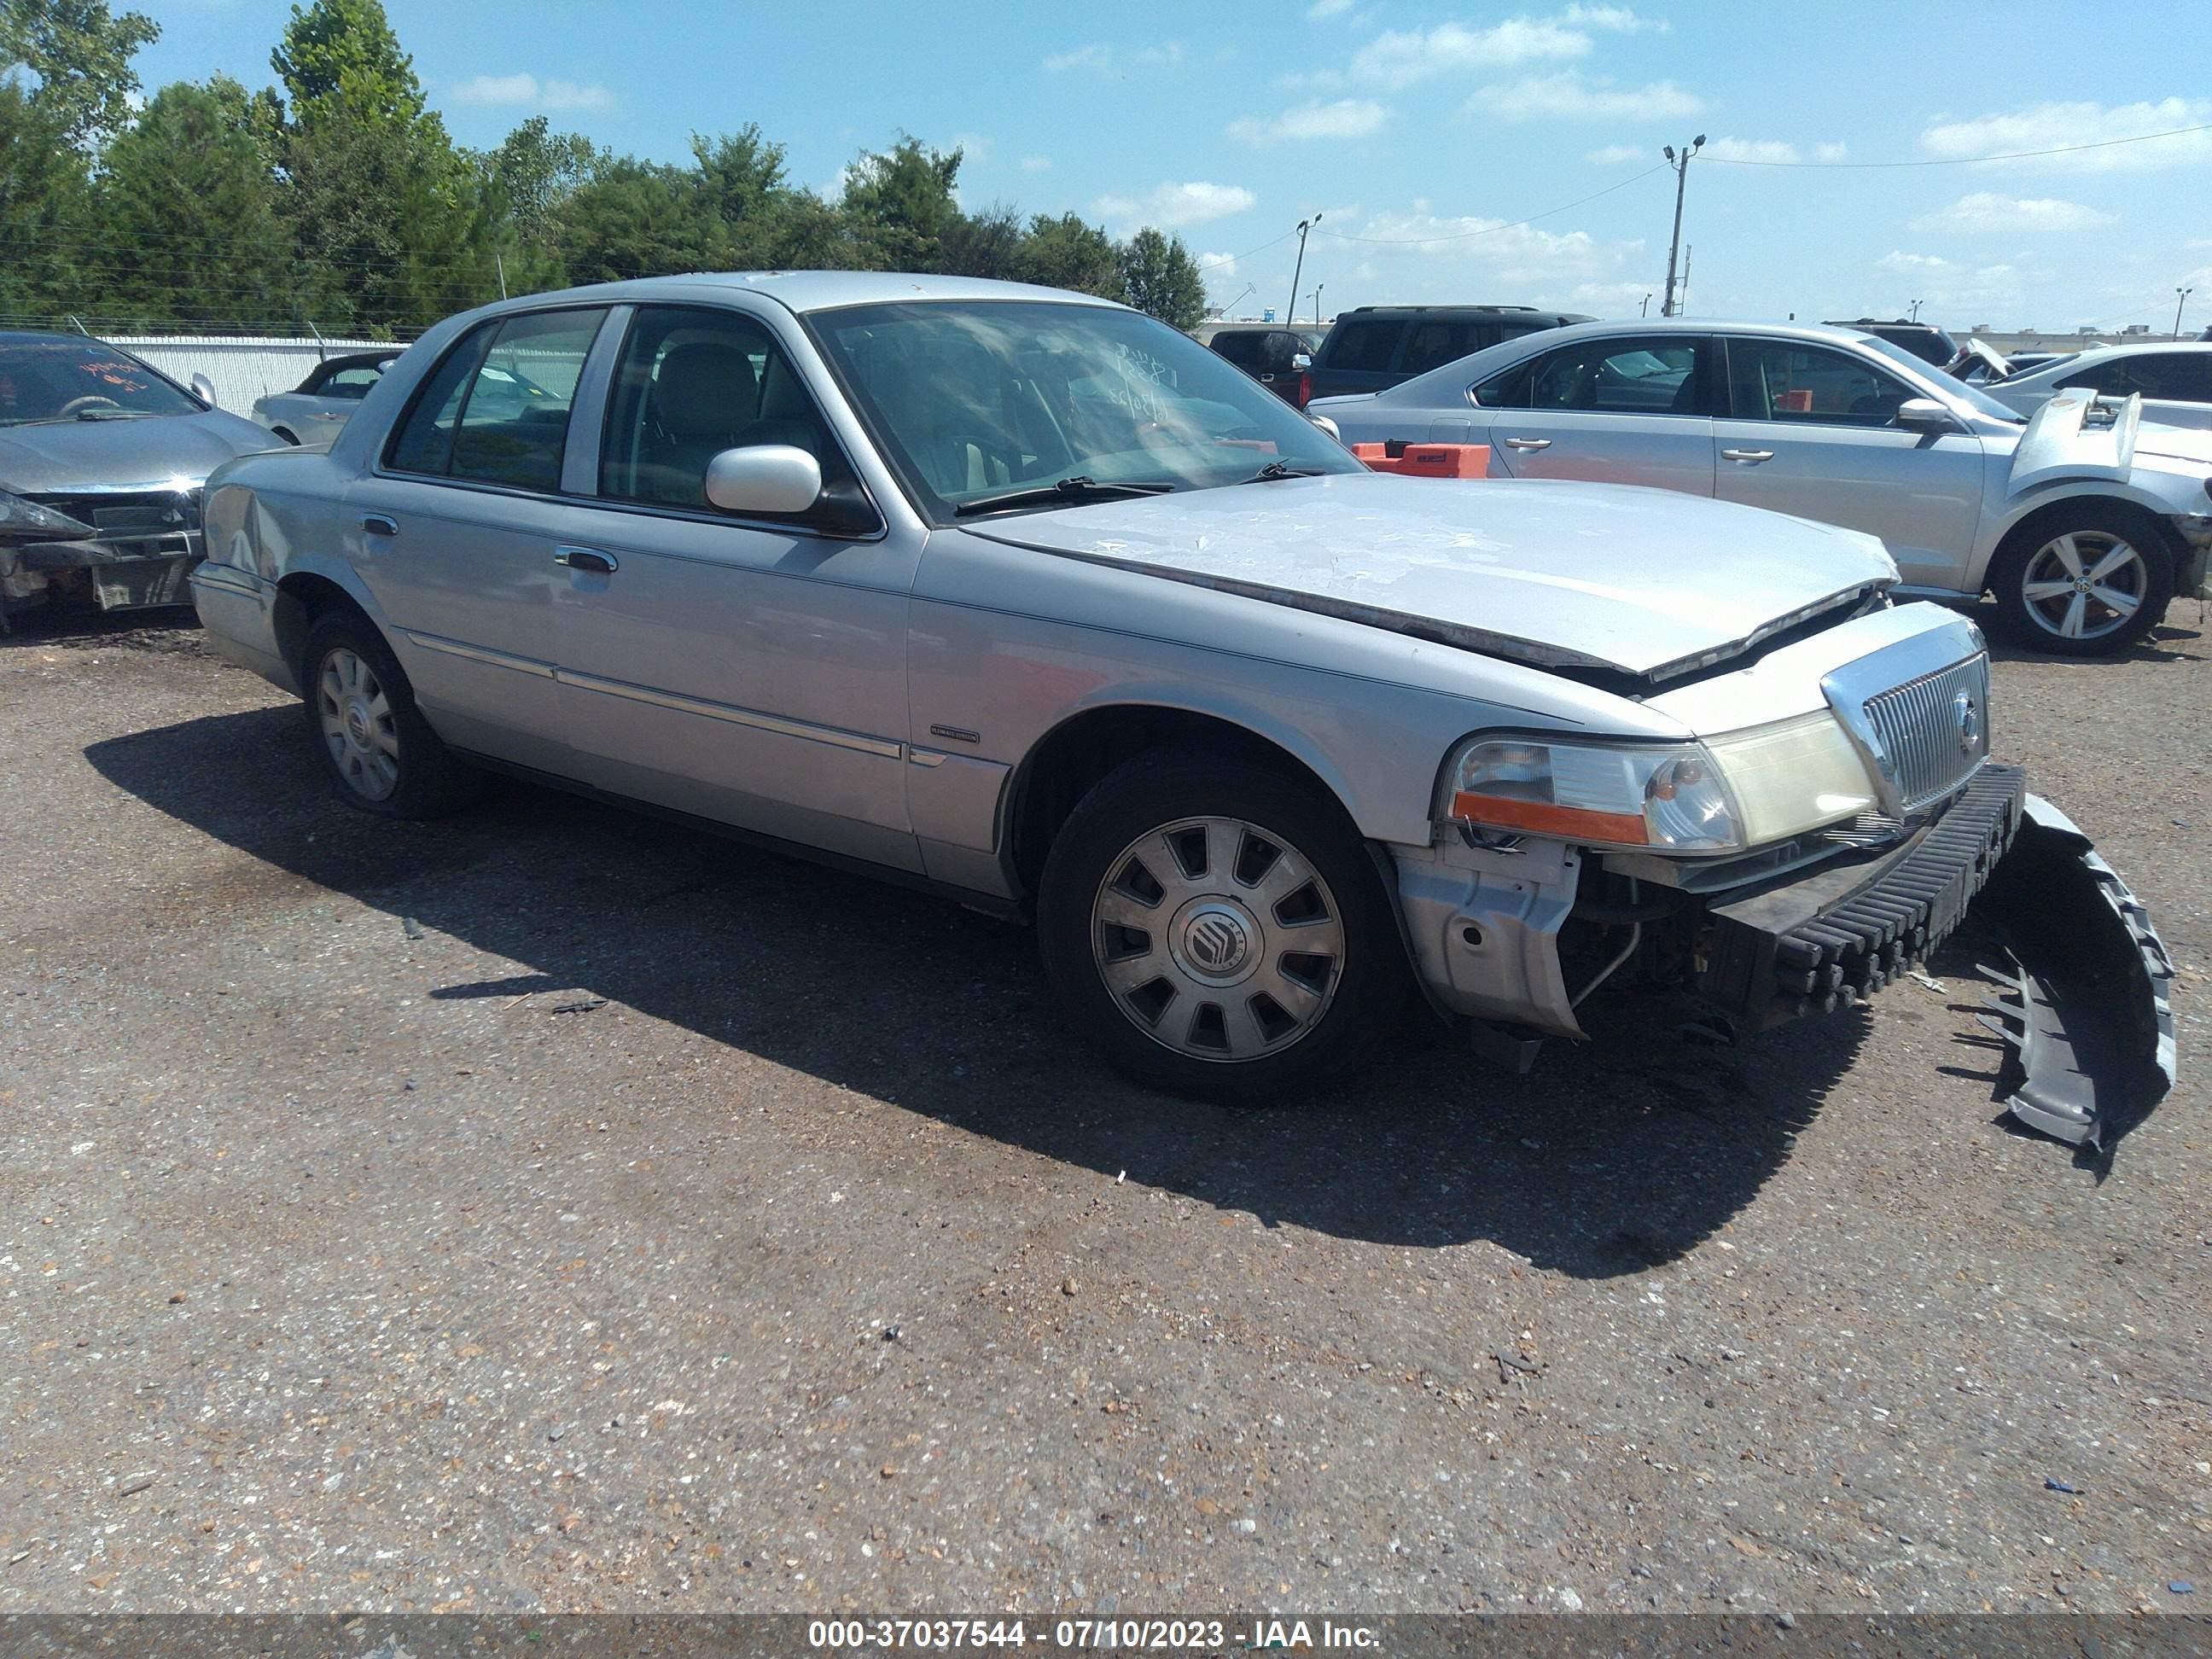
1654, 376
496, 410
1242, 349
1442, 341
2177, 375
1364, 347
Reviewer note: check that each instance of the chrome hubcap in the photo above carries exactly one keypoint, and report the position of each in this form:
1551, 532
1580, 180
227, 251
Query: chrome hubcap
1217, 939
2085, 585
357, 725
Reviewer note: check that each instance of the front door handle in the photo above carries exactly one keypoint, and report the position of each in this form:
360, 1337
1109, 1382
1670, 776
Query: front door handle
377, 524
1527, 443
1750, 456
587, 558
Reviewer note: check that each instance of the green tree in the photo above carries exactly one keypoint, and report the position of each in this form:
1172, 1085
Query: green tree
1069, 252
81, 54
900, 205
347, 50
986, 244
1160, 278
636, 218
188, 212
48, 265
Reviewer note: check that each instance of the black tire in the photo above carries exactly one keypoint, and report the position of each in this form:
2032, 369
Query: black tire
1365, 983
377, 710
2030, 565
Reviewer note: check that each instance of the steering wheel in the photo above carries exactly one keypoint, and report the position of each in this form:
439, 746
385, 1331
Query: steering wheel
90, 400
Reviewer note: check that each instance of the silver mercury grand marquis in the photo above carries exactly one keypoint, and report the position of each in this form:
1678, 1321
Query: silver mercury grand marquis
1024, 596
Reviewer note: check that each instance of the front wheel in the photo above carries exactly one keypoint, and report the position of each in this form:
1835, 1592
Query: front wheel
1217, 928
2087, 583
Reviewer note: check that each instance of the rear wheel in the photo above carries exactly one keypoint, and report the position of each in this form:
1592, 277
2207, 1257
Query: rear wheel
1217, 928
376, 746
2089, 581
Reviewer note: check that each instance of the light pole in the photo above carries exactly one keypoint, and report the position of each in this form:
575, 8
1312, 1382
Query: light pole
1644, 310
1916, 304
1681, 167
1298, 269
1318, 287
2179, 295
1223, 307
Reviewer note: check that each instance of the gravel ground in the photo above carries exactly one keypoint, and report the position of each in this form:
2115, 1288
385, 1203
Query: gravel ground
550, 1209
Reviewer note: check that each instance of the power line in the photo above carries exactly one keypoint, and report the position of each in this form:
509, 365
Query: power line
1491, 230
1965, 160
1232, 259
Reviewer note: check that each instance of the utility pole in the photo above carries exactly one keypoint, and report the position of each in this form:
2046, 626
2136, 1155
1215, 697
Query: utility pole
2179, 295
1682, 166
500, 264
1682, 300
1298, 269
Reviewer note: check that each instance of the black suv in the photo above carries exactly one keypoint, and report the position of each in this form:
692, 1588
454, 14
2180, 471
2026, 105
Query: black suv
1373, 347
1923, 340
1278, 358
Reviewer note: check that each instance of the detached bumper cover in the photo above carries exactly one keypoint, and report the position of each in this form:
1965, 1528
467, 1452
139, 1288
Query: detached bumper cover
1848, 930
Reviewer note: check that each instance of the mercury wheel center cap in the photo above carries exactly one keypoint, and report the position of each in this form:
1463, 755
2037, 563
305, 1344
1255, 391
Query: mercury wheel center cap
1215, 939
357, 725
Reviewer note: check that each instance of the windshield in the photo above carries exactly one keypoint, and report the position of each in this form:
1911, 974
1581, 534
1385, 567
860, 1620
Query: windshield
1973, 397
66, 380
979, 399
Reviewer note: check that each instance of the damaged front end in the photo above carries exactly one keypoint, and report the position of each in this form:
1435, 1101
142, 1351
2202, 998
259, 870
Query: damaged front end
1519, 932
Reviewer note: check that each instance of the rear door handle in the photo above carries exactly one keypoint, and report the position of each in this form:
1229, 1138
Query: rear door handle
376, 523
587, 558
1754, 456
1527, 443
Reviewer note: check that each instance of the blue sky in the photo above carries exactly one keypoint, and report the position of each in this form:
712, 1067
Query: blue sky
1423, 134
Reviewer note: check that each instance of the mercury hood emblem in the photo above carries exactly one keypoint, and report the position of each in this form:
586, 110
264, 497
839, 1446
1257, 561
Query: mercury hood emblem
1970, 722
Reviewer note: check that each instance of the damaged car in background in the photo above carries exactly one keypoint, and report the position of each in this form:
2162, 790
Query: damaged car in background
1026, 599
2084, 522
109, 455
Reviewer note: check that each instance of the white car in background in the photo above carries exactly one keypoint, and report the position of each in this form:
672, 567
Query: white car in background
2174, 382
313, 411
2083, 520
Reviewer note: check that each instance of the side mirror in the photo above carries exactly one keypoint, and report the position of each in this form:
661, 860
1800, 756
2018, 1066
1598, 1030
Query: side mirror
764, 478
205, 389
1925, 415
1328, 426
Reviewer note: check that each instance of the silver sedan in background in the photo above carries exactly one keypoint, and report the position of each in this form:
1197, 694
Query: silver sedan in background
313, 411
2083, 521
2174, 382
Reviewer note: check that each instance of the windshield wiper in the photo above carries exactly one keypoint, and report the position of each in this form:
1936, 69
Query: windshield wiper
1281, 469
1077, 489
114, 414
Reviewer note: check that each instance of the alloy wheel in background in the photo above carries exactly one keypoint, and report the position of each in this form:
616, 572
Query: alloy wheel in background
2084, 585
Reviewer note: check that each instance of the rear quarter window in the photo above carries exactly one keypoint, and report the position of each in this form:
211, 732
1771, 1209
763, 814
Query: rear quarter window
1366, 347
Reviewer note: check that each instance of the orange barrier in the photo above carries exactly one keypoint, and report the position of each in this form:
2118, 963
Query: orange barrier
1426, 460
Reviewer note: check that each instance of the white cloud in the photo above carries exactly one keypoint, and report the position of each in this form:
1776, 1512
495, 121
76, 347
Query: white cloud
1402, 57
2053, 126
1036, 164
1171, 205
974, 147
1347, 118
1570, 96
1619, 19
525, 89
1322, 8
1218, 264
1946, 285
1614, 155
1100, 58
1912, 265
1834, 152
1751, 150
1986, 211
1104, 60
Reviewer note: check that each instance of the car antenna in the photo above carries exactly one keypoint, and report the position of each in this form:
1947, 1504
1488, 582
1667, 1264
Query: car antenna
79, 326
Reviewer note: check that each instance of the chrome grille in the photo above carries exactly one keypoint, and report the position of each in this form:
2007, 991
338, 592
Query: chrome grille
1933, 733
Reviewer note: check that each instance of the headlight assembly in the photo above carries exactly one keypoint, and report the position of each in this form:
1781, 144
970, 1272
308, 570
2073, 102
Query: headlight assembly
22, 520
1670, 797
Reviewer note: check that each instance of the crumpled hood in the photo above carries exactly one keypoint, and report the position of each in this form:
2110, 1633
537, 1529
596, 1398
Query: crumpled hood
2179, 443
1555, 573
71, 455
